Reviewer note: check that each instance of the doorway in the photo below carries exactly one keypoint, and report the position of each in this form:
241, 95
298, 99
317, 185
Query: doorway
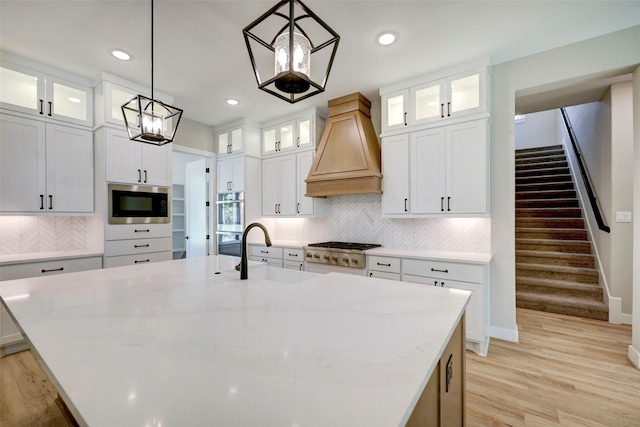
192, 214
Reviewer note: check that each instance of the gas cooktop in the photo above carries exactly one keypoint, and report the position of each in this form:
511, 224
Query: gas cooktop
345, 245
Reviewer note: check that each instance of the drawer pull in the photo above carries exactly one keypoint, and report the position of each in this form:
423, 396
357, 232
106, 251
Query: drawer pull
264, 252
141, 246
383, 264
141, 231
144, 260
53, 269
439, 271
293, 254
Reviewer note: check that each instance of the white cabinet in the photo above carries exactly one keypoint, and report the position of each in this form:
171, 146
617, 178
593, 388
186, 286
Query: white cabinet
434, 100
9, 333
32, 92
471, 277
293, 133
131, 244
45, 167
238, 138
270, 255
383, 267
306, 206
279, 186
439, 170
231, 175
293, 258
134, 162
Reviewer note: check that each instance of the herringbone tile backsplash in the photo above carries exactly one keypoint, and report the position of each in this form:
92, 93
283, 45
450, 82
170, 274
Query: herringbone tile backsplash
28, 234
358, 218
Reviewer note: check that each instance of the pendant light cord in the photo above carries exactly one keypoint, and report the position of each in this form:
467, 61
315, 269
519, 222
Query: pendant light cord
152, 97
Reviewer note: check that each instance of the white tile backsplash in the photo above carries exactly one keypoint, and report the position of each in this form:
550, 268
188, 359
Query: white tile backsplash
358, 218
30, 234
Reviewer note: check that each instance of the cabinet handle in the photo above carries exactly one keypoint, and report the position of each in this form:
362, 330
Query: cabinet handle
449, 109
405, 205
298, 208
449, 373
141, 246
141, 231
50, 201
383, 264
441, 204
439, 271
50, 108
405, 118
42, 201
293, 254
264, 252
370, 274
53, 269
298, 141
275, 208
278, 207
300, 267
139, 175
435, 283
145, 175
442, 111
144, 260
448, 204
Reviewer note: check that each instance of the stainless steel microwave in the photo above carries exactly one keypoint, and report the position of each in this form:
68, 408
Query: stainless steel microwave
138, 204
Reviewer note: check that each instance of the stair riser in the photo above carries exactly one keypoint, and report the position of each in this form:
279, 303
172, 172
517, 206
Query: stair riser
548, 213
570, 311
544, 179
544, 186
554, 194
537, 151
595, 294
568, 247
590, 277
546, 203
584, 262
558, 157
540, 172
550, 233
542, 165
549, 223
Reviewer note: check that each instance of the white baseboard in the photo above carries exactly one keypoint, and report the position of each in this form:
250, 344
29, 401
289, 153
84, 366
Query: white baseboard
626, 319
615, 308
504, 333
634, 357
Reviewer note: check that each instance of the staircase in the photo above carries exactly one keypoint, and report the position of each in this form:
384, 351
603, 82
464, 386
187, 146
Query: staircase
555, 268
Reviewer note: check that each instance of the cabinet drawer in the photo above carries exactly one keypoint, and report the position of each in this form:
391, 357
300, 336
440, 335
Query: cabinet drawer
381, 263
293, 254
294, 265
136, 231
262, 251
271, 262
384, 275
47, 268
136, 246
118, 261
444, 270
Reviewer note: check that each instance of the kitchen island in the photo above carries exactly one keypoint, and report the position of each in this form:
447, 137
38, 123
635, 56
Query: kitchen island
186, 342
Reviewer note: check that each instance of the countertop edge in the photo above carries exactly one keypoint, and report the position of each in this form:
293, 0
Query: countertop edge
466, 257
46, 256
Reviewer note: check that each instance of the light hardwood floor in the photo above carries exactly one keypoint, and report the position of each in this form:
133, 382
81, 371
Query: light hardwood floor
565, 371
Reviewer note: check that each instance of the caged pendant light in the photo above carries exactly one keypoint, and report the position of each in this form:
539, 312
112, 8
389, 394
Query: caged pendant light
147, 119
297, 39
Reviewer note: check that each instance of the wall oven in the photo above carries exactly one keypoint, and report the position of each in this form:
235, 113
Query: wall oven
230, 214
138, 204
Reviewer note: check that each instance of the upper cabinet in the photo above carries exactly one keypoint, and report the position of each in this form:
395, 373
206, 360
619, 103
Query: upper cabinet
45, 167
297, 132
134, 162
44, 95
435, 100
240, 137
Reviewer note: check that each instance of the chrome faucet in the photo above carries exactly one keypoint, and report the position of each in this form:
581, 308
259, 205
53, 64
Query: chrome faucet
242, 267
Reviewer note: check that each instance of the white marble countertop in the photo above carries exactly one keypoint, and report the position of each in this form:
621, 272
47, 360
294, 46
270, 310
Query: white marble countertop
175, 344
293, 244
467, 257
46, 256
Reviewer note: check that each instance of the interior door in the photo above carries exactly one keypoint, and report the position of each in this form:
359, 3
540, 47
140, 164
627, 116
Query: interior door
196, 208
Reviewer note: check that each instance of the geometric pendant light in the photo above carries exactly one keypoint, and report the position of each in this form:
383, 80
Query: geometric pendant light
291, 51
147, 119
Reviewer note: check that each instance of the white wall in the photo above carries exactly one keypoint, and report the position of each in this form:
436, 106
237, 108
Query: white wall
565, 66
634, 348
537, 130
195, 135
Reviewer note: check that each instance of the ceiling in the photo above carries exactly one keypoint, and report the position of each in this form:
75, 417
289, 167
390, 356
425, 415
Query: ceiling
201, 58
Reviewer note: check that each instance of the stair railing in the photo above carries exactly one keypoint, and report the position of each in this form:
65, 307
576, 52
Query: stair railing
585, 174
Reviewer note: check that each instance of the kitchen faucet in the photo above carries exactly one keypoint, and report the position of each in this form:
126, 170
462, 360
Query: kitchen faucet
242, 267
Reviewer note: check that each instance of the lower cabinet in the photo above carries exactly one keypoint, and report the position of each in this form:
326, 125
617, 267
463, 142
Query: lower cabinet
11, 340
293, 259
131, 244
442, 402
384, 267
277, 256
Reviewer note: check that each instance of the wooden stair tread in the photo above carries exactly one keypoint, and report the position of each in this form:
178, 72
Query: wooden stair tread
555, 283
564, 299
559, 268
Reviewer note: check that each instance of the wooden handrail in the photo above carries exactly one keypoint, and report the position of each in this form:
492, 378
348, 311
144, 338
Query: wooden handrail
585, 174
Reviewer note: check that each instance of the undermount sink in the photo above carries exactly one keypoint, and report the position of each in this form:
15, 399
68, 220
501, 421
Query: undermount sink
276, 274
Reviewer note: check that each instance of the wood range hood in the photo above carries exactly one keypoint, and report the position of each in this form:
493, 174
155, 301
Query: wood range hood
348, 156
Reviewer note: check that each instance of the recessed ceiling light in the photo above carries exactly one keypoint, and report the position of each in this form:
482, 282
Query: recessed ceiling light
121, 55
387, 38
232, 101
74, 100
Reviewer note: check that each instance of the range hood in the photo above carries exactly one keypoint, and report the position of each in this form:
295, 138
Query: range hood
348, 156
